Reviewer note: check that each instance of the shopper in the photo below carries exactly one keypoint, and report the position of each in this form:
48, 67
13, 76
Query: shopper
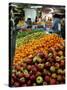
36, 19
21, 24
29, 23
56, 22
63, 27
39, 19
49, 23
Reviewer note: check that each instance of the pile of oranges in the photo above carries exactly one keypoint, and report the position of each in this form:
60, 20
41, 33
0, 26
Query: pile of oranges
42, 44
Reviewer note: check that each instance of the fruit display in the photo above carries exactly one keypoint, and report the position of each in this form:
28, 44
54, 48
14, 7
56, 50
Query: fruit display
28, 38
39, 62
40, 69
27, 32
36, 45
41, 44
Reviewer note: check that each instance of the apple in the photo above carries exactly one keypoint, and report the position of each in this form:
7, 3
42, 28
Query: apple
47, 78
39, 80
53, 81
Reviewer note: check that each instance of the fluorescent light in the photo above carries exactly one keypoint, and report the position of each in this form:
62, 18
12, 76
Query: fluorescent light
36, 6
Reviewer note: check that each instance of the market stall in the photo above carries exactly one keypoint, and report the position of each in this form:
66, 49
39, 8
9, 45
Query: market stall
39, 57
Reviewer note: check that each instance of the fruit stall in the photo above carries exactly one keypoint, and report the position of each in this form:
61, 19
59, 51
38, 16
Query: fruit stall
39, 56
39, 60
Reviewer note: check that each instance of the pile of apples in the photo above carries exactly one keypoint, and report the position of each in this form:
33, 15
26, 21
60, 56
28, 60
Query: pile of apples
40, 69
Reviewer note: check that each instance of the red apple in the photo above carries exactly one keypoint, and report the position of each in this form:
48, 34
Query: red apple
47, 65
16, 84
38, 74
62, 63
29, 83
29, 67
57, 65
53, 81
32, 77
18, 67
59, 77
47, 78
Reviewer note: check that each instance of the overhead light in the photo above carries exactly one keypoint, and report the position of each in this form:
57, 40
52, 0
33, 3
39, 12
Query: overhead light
36, 6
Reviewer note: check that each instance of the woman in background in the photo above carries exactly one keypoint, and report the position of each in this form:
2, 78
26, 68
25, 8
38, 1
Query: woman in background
21, 24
